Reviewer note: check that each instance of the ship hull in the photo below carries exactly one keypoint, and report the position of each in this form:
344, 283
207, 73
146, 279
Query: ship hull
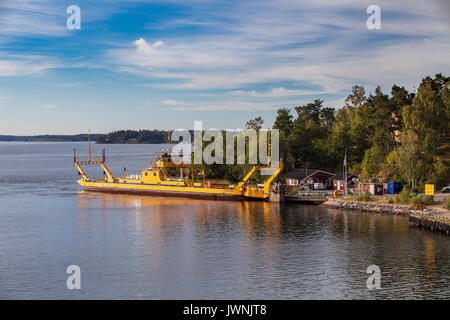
166, 193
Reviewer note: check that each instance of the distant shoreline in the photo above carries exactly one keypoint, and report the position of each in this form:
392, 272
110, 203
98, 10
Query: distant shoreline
115, 137
50, 138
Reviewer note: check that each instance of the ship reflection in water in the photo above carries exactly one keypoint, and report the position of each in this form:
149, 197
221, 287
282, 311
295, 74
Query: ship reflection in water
157, 247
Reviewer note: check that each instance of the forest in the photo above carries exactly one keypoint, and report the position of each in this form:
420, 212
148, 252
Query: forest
398, 137
135, 136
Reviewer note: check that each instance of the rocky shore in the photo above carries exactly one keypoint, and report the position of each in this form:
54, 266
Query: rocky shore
429, 219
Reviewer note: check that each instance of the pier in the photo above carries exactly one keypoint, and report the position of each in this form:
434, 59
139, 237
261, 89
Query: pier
308, 197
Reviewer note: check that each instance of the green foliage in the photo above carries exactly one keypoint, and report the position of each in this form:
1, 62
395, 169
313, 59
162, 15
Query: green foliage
390, 168
420, 201
232, 172
371, 163
402, 137
364, 197
404, 196
255, 124
447, 204
283, 122
425, 143
133, 136
306, 139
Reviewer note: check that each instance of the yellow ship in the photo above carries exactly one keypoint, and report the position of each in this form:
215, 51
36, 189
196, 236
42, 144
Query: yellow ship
154, 180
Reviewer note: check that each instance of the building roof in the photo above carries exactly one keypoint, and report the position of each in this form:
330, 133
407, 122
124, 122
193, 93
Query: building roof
340, 176
303, 173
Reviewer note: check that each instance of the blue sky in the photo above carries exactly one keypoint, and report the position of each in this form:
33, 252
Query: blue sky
163, 64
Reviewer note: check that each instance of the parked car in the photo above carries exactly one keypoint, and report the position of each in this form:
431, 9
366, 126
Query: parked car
446, 189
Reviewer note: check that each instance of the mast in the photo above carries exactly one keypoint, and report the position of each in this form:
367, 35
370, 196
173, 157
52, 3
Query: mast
89, 144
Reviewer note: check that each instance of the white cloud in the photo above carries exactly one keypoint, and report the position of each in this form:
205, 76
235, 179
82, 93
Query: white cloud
278, 92
320, 44
256, 106
273, 46
336, 104
48, 106
27, 17
171, 102
143, 45
158, 44
20, 65
228, 106
47, 18
240, 105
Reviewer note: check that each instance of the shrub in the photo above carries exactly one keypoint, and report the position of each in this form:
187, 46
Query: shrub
417, 204
391, 200
447, 204
428, 199
364, 197
421, 200
403, 196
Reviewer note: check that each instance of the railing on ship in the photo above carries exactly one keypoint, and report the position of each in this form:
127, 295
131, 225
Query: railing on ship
91, 161
94, 160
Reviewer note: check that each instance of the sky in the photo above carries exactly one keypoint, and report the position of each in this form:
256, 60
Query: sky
149, 64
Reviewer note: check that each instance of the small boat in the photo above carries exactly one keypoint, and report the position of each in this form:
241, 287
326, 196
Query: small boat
155, 181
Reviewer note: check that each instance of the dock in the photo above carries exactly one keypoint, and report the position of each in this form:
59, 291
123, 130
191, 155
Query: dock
308, 197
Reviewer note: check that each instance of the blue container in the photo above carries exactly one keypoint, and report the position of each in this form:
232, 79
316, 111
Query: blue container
394, 187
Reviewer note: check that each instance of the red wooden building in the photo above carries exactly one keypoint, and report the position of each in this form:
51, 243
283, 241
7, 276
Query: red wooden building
375, 189
312, 178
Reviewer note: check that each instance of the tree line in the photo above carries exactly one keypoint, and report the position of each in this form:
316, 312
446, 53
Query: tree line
398, 137
50, 138
135, 136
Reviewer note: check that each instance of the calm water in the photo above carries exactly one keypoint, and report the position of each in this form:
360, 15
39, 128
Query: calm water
164, 248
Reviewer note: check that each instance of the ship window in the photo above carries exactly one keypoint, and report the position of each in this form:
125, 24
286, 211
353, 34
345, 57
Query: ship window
146, 173
154, 174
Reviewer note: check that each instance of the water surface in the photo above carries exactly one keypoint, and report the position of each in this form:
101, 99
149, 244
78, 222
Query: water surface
132, 247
